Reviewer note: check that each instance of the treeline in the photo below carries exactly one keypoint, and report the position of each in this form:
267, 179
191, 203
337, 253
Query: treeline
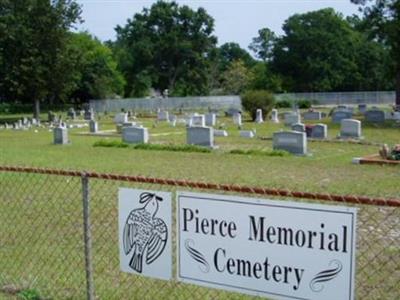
172, 47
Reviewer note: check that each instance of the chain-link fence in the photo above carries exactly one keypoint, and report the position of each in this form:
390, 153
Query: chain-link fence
336, 98
59, 237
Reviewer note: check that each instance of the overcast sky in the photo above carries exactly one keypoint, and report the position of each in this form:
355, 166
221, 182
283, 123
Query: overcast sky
235, 20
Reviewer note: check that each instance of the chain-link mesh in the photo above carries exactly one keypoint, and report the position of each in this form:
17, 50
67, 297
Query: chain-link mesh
41, 236
42, 242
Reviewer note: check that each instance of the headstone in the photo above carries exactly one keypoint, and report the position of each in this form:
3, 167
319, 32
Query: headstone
198, 120
24, 120
291, 141
375, 116
172, 118
362, 108
259, 116
312, 115
89, 114
201, 136
129, 124
34, 122
231, 112
350, 128
274, 116
60, 135
299, 127
93, 126
119, 128
121, 118
338, 116
319, 131
71, 113
220, 133
237, 119
211, 119
135, 135
292, 118
163, 116
247, 133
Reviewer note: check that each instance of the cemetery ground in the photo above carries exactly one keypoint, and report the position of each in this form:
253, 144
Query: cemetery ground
327, 170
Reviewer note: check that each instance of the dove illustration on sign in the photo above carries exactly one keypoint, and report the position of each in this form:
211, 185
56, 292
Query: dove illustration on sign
145, 235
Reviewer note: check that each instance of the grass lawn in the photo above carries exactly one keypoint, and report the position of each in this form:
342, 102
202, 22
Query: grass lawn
328, 169
41, 215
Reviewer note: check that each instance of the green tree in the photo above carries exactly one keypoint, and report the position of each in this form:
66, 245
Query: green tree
231, 52
321, 51
264, 79
33, 36
166, 47
263, 44
95, 70
236, 78
382, 18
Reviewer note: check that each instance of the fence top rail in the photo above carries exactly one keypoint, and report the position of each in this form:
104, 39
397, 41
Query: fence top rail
393, 202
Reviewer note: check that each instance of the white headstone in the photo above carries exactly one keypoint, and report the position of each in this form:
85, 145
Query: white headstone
291, 141
163, 116
198, 120
247, 133
237, 119
220, 133
201, 136
350, 128
121, 118
292, 118
274, 116
259, 116
135, 135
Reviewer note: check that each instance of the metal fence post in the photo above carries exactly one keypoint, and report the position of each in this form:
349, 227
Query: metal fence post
87, 237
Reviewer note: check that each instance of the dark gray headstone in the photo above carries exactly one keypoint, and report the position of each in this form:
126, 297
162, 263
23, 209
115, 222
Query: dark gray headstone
93, 126
338, 116
292, 118
211, 119
362, 108
135, 135
375, 116
319, 131
299, 127
60, 135
291, 141
201, 136
312, 115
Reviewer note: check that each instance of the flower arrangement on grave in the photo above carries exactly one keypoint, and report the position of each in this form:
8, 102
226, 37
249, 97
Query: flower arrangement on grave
391, 154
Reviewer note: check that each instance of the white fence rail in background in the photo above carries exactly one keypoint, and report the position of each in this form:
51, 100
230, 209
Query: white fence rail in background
224, 102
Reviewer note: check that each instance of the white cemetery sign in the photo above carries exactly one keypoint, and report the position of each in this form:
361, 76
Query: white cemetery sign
277, 249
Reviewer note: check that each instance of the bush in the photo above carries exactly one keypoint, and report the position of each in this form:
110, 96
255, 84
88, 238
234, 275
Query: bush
258, 99
305, 104
283, 104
